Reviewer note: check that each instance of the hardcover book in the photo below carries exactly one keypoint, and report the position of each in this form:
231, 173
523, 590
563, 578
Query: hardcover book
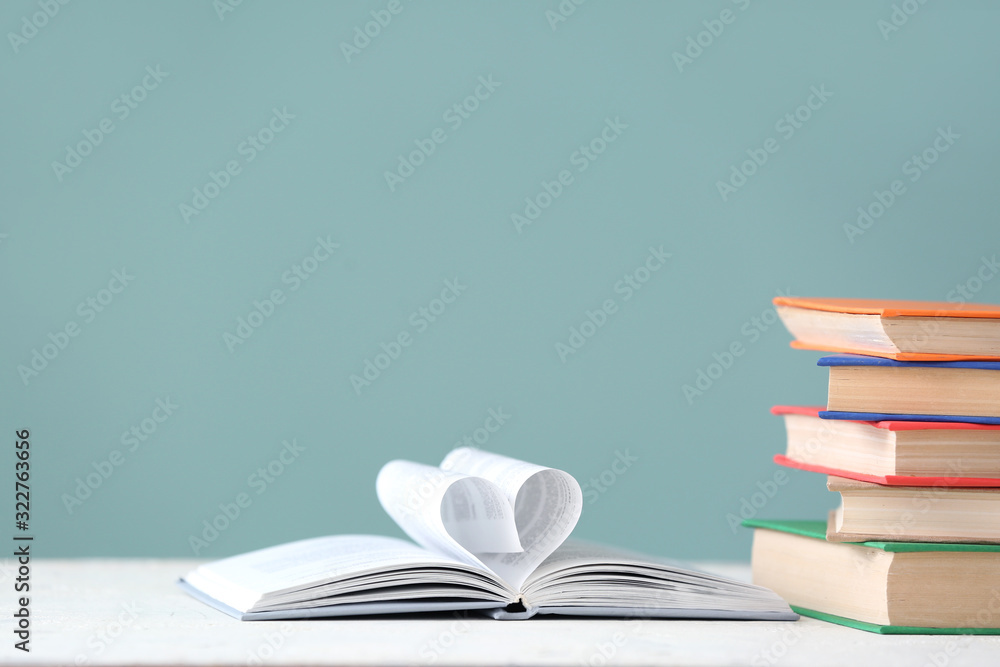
902, 330
489, 534
891, 452
876, 389
883, 587
912, 513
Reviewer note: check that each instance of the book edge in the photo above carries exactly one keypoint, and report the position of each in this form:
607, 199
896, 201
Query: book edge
889, 629
890, 480
785, 526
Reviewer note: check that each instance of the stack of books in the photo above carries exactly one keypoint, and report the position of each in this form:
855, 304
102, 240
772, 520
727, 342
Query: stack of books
910, 439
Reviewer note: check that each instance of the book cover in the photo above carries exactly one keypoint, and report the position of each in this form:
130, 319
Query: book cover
887, 424
867, 360
890, 480
817, 530
883, 416
891, 307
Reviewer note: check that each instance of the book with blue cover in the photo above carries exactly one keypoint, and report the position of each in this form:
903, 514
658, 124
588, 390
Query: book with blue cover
865, 388
866, 360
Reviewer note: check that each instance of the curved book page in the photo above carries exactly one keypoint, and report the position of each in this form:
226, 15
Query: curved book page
448, 512
547, 504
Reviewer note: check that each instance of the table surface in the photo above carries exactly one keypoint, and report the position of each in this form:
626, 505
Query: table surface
117, 612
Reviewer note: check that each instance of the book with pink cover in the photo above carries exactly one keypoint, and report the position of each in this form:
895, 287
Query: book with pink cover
887, 425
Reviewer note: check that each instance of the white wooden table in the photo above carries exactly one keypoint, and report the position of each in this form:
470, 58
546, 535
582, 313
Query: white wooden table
129, 612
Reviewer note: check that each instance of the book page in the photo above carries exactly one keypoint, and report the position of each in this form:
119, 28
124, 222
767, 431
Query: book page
583, 574
240, 581
448, 512
547, 504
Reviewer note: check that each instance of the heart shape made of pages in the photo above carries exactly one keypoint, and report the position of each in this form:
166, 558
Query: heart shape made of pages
484, 508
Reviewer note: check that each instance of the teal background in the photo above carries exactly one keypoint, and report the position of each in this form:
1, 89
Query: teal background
495, 346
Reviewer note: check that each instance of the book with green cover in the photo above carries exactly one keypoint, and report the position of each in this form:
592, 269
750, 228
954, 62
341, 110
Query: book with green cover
839, 575
817, 529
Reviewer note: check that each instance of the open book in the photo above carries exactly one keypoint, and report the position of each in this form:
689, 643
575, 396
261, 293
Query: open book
492, 536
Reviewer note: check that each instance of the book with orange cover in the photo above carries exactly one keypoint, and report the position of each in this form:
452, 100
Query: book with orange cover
894, 329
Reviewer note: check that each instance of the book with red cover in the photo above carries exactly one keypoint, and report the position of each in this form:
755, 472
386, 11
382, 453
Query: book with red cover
888, 425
